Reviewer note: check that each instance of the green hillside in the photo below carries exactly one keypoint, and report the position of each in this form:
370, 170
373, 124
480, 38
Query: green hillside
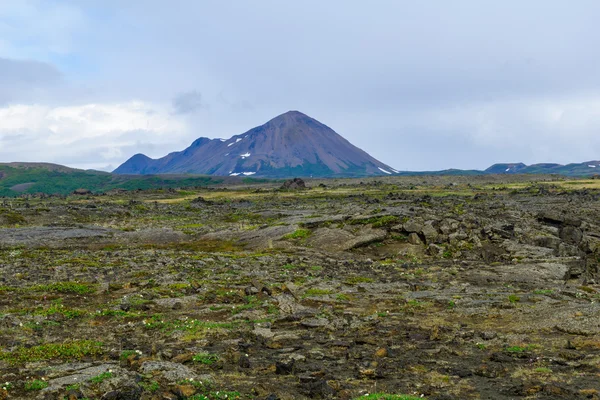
39, 178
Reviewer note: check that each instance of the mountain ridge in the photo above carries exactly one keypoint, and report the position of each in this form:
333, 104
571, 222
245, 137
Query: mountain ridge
291, 144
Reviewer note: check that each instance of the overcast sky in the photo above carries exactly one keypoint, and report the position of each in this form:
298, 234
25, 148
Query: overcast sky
420, 85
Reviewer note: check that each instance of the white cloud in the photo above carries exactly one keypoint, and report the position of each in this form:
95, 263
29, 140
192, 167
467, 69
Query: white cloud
526, 122
76, 135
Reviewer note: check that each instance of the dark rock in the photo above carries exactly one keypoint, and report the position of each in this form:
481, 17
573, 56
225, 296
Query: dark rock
413, 238
201, 200
244, 361
501, 358
250, 291
292, 184
488, 335
570, 234
130, 392
491, 252
284, 368
319, 389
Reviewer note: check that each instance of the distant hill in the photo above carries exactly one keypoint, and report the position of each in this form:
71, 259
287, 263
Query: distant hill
587, 168
505, 168
22, 178
45, 166
292, 144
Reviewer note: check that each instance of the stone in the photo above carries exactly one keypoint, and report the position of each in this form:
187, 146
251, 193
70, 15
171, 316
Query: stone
284, 368
413, 238
571, 234
294, 184
170, 371
315, 322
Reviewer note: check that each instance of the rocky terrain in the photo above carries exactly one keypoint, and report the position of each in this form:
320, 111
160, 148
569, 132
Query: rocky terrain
441, 288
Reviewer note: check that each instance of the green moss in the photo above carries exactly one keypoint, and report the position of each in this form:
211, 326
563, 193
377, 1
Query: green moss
151, 386
355, 280
298, 234
520, 349
102, 377
65, 287
205, 358
377, 222
53, 351
513, 298
36, 384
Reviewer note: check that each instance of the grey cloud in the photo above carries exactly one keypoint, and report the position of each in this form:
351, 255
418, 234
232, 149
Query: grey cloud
380, 74
188, 102
24, 80
27, 72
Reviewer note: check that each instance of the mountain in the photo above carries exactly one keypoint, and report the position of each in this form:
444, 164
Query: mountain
586, 168
292, 144
505, 168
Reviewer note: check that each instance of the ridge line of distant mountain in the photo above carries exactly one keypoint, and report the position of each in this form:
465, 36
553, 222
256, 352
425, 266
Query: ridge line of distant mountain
291, 144
296, 145
586, 168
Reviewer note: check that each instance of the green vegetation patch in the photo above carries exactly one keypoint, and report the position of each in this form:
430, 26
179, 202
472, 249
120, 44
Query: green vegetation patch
355, 280
317, 292
187, 325
65, 287
298, 234
8, 217
102, 377
53, 351
36, 384
377, 222
205, 358
520, 349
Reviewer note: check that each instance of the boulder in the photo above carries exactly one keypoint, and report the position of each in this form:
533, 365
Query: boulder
570, 234
294, 184
413, 238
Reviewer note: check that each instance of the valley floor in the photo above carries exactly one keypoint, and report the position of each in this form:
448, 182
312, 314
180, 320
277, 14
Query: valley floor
429, 287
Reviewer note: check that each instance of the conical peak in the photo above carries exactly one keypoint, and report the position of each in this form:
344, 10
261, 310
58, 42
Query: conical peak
291, 117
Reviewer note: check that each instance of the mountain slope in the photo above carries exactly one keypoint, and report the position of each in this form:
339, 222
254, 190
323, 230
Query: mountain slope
292, 144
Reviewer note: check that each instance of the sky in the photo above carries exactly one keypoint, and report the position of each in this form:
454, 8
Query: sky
419, 85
